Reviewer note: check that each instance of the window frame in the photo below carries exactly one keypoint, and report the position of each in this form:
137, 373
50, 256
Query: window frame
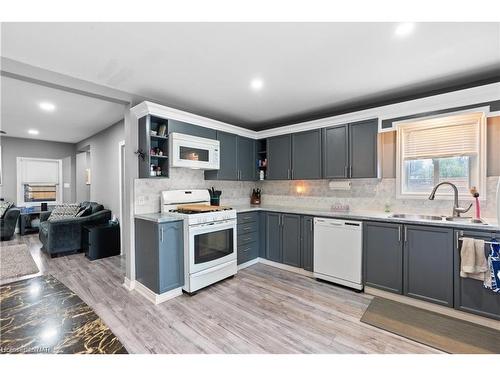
451, 118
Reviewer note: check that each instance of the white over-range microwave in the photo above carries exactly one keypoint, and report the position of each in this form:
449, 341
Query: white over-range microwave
188, 151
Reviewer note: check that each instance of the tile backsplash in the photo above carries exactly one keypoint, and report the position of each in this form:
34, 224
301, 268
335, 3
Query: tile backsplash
365, 194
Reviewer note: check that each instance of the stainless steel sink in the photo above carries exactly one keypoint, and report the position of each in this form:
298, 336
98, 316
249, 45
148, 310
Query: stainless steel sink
465, 220
416, 217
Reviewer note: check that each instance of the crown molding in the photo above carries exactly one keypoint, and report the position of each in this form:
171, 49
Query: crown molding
470, 96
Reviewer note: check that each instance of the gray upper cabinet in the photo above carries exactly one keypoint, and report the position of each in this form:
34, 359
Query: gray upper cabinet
247, 157
383, 256
335, 152
175, 126
363, 149
428, 264
307, 242
279, 154
273, 237
306, 155
291, 239
470, 295
228, 161
350, 150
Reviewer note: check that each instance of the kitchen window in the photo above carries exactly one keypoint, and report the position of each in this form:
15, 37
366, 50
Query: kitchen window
430, 151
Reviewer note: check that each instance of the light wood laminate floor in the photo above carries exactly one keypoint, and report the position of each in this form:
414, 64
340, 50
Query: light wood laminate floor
261, 310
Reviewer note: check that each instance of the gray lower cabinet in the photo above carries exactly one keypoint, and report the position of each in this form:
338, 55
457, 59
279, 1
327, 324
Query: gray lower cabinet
363, 149
279, 154
248, 240
306, 155
273, 237
428, 264
262, 235
335, 152
159, 256
470, 295
307, 242
290, 239
383, 256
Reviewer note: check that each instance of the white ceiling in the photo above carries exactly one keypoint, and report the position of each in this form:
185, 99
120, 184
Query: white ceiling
307, 68
75, 117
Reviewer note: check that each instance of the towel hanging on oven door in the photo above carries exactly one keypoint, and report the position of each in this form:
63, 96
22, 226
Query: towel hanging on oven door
493, 282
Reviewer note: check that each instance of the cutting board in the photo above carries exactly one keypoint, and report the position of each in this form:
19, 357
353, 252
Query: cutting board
201, 208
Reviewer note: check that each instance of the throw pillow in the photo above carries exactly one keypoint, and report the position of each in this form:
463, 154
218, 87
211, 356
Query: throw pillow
84, 211
4, 206
64, 211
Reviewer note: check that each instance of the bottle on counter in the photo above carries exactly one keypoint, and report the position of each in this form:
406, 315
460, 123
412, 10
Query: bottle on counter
152, 172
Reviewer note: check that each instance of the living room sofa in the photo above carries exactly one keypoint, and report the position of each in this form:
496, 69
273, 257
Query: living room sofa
65, 235
8, 223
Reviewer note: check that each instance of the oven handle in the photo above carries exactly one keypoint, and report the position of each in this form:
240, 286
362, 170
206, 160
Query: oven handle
216, 224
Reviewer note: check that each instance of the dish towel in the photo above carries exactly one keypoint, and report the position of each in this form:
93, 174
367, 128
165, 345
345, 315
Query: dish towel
474, 264
492, 278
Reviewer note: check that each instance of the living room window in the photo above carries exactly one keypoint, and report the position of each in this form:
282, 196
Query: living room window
38, 181
431, 151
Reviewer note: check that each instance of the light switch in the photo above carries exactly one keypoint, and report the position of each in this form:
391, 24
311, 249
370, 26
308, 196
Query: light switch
66, 185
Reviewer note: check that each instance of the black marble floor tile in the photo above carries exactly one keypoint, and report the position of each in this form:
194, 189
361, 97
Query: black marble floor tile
41, 315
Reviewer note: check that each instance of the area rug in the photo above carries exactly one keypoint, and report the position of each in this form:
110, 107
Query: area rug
16, 261
450, 335
42, 315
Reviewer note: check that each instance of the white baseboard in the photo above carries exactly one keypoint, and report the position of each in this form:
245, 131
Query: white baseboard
156, 298
285, 267
490, 323
248, 264
128, 284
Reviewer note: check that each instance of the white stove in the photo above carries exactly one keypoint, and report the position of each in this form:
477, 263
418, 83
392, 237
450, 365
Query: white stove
209, 237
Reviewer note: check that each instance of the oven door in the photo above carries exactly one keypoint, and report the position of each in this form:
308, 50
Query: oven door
211, 244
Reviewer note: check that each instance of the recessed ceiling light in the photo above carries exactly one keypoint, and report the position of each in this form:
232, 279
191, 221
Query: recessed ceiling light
33, 132
257, 84
404, 29
46, 106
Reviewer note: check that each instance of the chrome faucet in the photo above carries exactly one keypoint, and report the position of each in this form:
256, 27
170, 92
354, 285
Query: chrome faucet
457, 210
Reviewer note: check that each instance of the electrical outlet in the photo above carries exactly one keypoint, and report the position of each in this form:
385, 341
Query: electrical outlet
141, 200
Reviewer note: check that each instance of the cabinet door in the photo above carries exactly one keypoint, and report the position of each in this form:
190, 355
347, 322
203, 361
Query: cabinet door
262, 235
470, 295
363, 149
335, 155
428, 264
307, 243
175, 126
306, 155
279, 157
228, 161
273, 237
383, 256
291, 239
171, 256
246, 159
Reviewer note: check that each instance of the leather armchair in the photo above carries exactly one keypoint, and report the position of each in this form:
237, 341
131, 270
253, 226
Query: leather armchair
65, 235
8, 223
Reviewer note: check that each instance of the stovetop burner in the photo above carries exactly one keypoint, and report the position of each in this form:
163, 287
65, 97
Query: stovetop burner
193, 212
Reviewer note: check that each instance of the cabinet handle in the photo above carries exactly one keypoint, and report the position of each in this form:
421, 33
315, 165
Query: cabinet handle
288, 174
406, 234
161, 235
457, 234
350, 171
345, 171
311, 223
291, 173
399, 233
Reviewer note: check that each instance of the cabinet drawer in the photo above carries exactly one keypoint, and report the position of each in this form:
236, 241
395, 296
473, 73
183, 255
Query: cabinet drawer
248, 252
247, 237
248, 227
247, 217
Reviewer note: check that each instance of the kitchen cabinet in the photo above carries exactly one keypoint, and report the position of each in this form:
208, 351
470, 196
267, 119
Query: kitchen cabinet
470, 295
279, 154
383, 256
262, 235
290, 239
175, 126
273, 237
248, 240
306, 155
428, 264
247, 158
237, 159
307, 242
159, 255
350, 150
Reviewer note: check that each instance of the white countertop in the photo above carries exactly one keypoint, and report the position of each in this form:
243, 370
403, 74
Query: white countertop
157, 217
368, 215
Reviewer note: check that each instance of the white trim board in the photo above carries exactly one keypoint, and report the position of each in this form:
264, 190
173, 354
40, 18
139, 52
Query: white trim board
156, 298
460, 98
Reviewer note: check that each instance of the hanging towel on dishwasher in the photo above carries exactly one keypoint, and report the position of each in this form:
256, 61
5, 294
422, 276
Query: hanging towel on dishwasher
492, 279
473, 261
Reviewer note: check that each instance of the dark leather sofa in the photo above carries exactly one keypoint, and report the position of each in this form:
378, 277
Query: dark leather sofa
65, 235
8, 223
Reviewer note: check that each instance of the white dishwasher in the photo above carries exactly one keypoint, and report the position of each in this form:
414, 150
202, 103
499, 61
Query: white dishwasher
338, 251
